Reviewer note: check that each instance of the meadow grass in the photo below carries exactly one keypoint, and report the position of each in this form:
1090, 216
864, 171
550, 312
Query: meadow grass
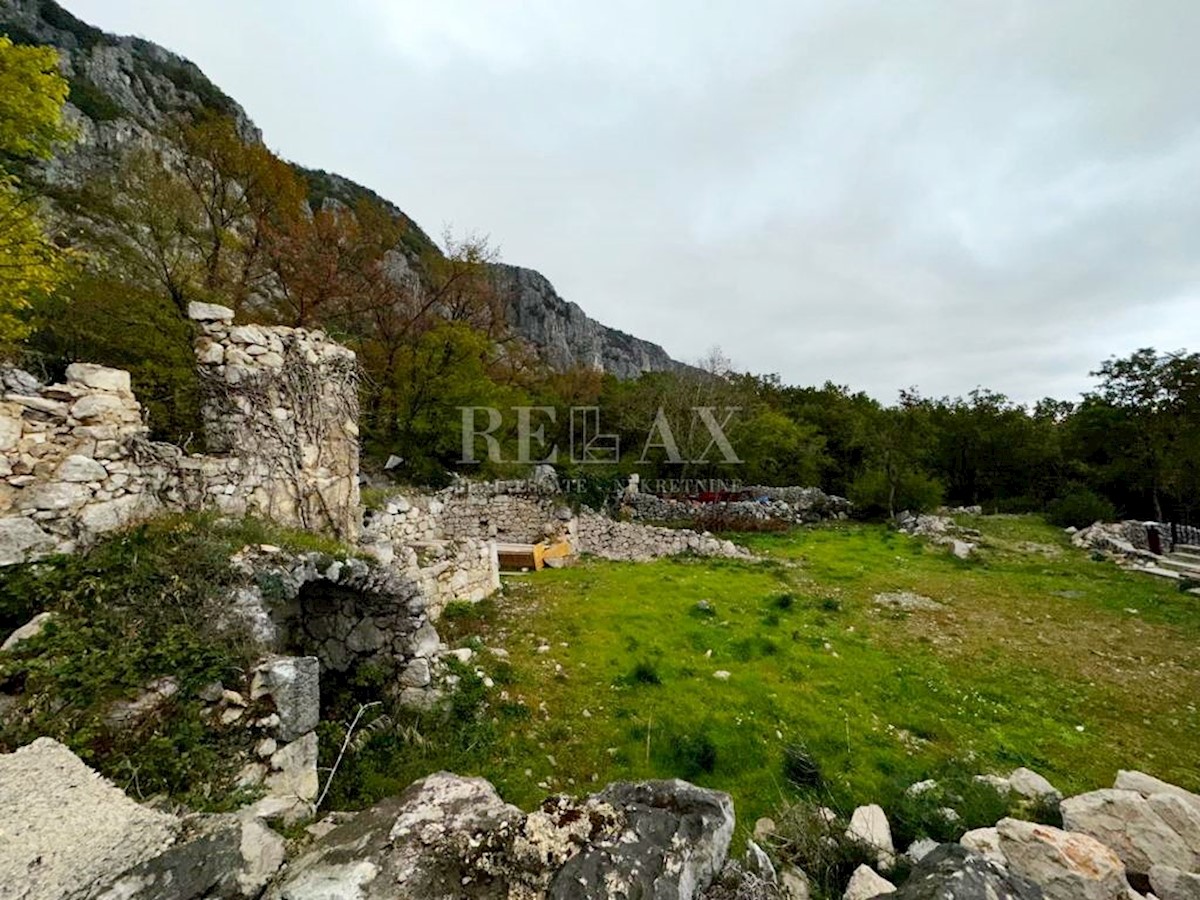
1043, 657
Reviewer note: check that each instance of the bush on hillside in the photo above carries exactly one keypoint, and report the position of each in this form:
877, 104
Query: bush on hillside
1079, 507
872, 493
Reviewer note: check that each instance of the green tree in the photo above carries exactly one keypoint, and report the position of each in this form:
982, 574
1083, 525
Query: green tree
1144, 419
896, 442
32, 94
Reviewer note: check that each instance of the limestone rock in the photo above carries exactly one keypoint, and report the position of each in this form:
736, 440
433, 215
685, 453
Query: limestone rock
30, 629
1031, 786
759, 864
674, 844
952, 872
1183, 818
295, 770
1146, 785
794, 884
1067, 866
1171, 884
94, 407
1126, 822
866, 883
22, 539
111, 514
985, 842
565, 336
424, 642
209, 312
293, 684
215, 857
416, 674
907, 601
65, 830
411, 847
55, 495
920, 848
80, 468
101, 378
869, 827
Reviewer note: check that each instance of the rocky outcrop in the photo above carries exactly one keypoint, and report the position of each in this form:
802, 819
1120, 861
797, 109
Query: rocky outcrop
451, 837
565, 336
125, 93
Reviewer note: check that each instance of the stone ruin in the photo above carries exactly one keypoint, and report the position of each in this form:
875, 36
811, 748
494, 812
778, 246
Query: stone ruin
280, 415
527, 512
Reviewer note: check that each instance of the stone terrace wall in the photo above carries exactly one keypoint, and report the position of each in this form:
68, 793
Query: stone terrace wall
75, 459
462, 568
76, 462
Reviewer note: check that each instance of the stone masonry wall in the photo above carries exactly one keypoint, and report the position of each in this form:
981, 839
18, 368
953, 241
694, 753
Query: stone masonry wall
285, 402
76, 461
509, 511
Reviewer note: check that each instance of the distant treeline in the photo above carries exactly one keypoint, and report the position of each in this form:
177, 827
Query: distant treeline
1130, 448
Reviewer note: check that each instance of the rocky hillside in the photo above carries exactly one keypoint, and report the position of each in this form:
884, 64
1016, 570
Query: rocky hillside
125, 91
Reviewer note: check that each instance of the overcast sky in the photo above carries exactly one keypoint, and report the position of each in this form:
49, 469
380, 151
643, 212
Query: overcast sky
941, 194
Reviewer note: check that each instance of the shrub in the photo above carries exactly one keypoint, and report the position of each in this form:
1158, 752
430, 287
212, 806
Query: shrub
810, 839
799, 768
644, 672
693, 754
93, 102
1079, 507
783, 601
871, 493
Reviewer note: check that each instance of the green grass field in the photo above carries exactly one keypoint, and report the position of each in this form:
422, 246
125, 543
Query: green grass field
1042, 657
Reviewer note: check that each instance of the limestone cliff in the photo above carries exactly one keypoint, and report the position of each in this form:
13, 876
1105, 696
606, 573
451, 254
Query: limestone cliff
564, 334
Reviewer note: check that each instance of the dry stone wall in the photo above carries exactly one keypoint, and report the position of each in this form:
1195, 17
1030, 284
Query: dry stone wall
76, 460
609, 539
785, 505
